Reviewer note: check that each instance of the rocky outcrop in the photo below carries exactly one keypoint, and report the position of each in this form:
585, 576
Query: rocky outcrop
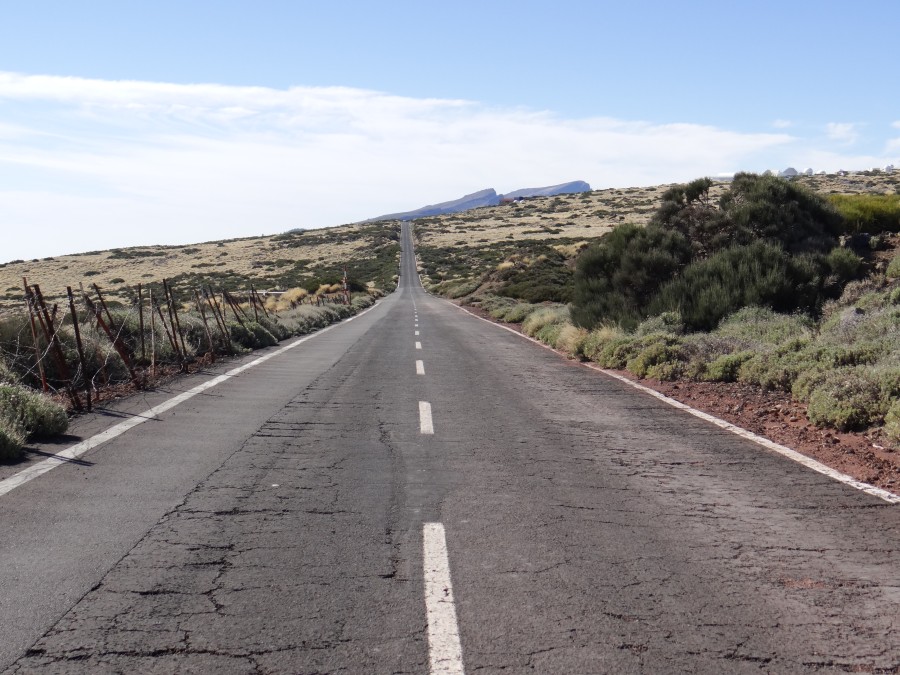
561, 189
481, 198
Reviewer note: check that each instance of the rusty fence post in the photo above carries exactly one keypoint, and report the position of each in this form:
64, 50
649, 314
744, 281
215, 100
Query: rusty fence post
79, 347
39, 362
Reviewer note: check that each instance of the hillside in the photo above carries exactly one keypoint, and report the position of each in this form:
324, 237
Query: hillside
369, 252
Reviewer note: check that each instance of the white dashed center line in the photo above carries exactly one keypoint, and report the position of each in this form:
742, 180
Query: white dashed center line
426, 426
417, 332
444, 649
418, 345
420, 367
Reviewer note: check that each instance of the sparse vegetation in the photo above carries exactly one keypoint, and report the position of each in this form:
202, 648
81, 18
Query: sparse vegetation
24, 414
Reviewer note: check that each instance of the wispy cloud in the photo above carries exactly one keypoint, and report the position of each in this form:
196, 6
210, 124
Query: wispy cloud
842, 132
782, 124
94, 164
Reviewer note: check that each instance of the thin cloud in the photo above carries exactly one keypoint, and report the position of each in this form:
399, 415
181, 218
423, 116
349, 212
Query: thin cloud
842, 132
142, 162
782, 124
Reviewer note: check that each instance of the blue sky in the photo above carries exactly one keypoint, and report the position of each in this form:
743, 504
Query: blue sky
174, 122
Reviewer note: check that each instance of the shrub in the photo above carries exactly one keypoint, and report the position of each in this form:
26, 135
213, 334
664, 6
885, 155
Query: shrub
619, 351
892, 422
726, 367
30, 412
616, 352
549, 333
663, 360
495, 305
277, 329
893, 268
771, 370
597, 339
759, 274
6, 374
571, 340
616, 278
458, 289
781, 212
761, 325
546, 279
844, 265
754, 208
667, 322
543, 317
689, 210
12, 441
847, 399
518, 312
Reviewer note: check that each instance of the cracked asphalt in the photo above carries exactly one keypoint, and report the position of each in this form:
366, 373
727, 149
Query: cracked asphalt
275, 525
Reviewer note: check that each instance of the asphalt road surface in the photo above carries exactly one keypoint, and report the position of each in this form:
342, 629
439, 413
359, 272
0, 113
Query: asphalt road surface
417, 490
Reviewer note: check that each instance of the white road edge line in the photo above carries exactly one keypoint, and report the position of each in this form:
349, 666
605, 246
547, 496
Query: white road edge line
79, 449
426, 426
418, 345
444, 649
420, 367
783, 450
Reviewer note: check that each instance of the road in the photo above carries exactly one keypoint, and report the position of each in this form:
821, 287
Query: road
417, 491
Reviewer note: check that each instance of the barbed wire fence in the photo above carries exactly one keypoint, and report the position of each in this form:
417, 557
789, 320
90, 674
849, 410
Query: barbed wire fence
80, 350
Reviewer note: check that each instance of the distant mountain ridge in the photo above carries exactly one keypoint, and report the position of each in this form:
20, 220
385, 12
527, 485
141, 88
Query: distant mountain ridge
487, 197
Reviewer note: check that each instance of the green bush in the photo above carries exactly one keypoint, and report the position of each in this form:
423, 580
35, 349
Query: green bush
844, 265
251, 335
12, 441
726, 367
546, 279
549, 333
892, 422
277, 329
771, 370
458, 289
667, 322
597, 339
763, 326
616, 352
616, 278
7, 376
30, 412
760, 274
496, 305
516, 313
768, 242
781, 212
619, 351
893, 268
662, 360
543, 317
848, 400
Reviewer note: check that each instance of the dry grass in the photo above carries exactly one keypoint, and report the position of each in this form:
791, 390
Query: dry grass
114, 272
